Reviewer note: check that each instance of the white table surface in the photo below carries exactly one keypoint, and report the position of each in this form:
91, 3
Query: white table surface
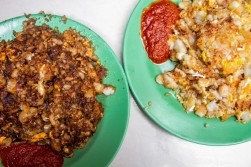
145, 144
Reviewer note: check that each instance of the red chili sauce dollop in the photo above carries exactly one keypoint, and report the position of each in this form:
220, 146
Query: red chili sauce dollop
28, 155
156, 27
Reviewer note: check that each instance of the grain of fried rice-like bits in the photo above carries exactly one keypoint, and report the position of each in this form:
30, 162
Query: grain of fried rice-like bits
48, 87
211, 45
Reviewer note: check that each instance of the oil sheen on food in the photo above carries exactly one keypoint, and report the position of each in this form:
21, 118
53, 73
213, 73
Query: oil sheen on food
156, 26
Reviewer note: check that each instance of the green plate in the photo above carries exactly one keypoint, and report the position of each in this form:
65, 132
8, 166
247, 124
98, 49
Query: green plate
105, 143
166, 111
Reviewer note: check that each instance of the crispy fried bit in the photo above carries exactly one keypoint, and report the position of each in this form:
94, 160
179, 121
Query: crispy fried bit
39, 137
48, 87
2, 139
64, 19
211, 45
